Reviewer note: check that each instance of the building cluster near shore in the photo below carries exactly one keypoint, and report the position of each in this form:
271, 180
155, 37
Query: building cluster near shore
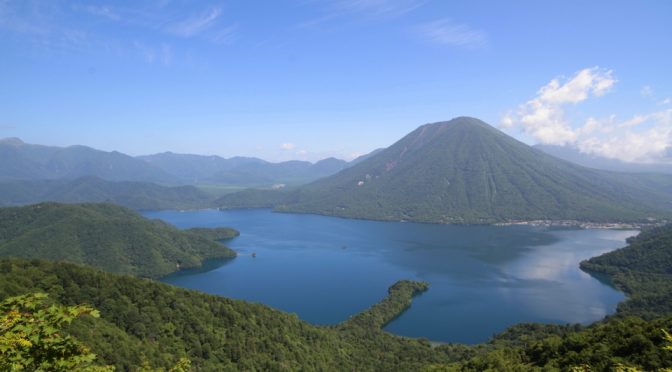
587, 225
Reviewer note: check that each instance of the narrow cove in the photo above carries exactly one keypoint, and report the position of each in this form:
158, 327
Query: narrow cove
482, 278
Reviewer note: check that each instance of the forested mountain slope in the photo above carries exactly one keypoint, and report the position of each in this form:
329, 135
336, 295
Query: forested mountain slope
106, 236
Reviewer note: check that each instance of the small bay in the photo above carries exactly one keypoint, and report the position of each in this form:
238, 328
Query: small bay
482, 278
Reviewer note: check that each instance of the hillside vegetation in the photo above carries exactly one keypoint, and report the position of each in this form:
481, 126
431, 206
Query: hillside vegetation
151, 323
142, 320
106, 236
643, 270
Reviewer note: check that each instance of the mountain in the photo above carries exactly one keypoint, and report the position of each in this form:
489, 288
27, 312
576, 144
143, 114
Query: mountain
574, 155
361, 158
241, 171
195, 168
136, 195
106, 236
465, 171
22, 161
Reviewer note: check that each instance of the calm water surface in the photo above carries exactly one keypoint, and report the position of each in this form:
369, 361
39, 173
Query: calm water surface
483, 278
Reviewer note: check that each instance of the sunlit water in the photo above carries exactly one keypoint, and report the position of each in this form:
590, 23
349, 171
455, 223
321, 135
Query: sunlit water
483, 278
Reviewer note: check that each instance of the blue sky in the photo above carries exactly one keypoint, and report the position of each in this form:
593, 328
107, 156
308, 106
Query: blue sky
307, 79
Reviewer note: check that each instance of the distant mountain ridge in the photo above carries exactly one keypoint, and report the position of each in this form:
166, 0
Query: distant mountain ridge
465, 171
22, 161
241, 171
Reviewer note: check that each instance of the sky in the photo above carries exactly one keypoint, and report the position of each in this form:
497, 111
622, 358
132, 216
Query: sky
309, 79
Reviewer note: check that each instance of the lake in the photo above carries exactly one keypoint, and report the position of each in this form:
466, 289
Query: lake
482, 278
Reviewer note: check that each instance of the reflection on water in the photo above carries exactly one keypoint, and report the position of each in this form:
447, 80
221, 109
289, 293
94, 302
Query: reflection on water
483, 278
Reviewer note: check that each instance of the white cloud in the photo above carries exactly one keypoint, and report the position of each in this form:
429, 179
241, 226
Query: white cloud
226, 35
641, 138
544, 116
377, 7
665, 101
447, 32
195, 24
162, 53
644, 138
287, 146
646, 91
103, 11
337, 10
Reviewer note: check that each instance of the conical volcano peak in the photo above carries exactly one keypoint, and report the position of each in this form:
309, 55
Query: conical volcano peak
461, 121
464, 170
13, 141
451, 134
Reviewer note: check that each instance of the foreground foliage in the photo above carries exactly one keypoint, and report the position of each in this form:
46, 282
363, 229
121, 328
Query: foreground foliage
150, 324
145, 321
32, 336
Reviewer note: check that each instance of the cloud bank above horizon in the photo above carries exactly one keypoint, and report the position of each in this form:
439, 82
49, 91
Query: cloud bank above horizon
641, 138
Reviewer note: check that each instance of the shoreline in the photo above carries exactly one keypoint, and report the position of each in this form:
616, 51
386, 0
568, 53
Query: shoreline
616, 225
584, 224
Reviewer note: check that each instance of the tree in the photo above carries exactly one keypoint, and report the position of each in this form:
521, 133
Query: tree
32, 336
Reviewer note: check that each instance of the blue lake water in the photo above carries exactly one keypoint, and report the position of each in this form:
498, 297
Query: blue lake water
482, 278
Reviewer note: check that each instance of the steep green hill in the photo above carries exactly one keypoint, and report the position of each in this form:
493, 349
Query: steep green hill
112, 238
465, 171
643, 270
135, 195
